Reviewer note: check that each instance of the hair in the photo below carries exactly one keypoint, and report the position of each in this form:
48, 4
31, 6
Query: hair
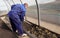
26, 4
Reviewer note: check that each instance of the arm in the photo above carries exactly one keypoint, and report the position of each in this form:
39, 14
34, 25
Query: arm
22, 16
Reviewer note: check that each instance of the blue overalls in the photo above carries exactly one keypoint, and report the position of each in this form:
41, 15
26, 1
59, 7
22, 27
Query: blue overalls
16, 16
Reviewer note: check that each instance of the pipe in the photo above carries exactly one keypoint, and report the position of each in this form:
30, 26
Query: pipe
38, 12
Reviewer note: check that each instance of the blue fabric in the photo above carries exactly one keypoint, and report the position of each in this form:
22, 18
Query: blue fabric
16, 16
19, 8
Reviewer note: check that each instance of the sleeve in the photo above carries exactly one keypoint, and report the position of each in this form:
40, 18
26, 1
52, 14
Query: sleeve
23, 8
22, 16
23, 13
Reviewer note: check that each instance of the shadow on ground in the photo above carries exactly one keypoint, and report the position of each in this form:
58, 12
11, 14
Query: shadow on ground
5, 32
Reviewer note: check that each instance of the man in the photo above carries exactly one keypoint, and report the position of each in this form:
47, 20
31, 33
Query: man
16, 16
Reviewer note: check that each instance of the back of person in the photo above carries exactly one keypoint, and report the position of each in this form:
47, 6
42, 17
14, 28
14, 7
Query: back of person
17, 9
16, 16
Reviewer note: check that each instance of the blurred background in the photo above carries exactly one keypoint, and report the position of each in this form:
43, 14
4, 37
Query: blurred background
49, 12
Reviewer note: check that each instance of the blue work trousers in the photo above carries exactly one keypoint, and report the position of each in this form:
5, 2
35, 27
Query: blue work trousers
16, 22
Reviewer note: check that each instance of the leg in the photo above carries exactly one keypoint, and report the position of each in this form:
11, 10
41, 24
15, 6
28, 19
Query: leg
17, 23
13, 25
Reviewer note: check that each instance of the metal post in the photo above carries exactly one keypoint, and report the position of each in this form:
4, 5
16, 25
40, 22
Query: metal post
13, 2
38, 12
21, 2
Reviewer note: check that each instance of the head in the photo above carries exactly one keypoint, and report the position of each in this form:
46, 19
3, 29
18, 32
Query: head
26, 5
